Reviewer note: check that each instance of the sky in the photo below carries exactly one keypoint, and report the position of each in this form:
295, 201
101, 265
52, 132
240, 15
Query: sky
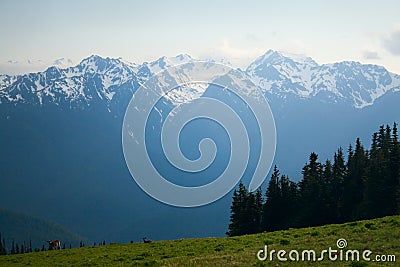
35, 33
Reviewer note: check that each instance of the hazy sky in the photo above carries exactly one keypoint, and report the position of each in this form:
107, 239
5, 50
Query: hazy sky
328, 31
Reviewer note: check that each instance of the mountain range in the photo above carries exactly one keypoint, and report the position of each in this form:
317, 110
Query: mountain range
62, 156
276, 73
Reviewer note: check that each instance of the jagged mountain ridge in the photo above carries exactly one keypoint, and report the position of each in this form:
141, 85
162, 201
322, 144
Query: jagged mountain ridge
278, 74
93, 77
357, 84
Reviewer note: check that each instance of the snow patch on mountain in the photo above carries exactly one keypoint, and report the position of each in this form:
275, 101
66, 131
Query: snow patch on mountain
186, 93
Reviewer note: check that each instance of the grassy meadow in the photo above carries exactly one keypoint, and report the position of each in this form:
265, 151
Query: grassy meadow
381, 236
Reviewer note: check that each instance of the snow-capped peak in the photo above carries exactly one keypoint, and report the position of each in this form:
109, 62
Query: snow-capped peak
166, 62
272, 57
281, 74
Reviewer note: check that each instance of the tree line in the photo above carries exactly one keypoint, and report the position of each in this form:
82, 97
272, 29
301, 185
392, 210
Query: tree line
25, 247
365, 185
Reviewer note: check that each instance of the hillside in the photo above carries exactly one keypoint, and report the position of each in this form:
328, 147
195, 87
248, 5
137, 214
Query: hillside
381, 236
22, 228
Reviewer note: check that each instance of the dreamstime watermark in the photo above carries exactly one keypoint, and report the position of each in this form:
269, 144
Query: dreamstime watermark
330, 254
183, 87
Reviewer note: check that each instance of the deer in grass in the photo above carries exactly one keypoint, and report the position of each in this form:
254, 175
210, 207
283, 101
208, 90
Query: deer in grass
145, 240
54, 245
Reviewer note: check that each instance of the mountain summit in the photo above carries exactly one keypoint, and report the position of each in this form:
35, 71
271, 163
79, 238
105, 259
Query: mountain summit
357, 84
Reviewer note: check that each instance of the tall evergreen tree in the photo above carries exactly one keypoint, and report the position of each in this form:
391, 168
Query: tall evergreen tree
311, 196
259, 209
394, 171
353, 184
234, 227
252, 214
245, 215
288, 202
250, 217
339, 171
272, 211
328, 193
379, 195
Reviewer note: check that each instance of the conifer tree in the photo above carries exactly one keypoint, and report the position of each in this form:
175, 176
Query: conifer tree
353, 184
339, 171
378, 185
259, 209
288, 202
272, 207
394, 171
251, 217
311, 195
237, 224
246, 209
281, 205
327, 191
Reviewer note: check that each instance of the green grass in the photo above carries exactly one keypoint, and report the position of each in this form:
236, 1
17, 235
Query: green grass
381, 236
